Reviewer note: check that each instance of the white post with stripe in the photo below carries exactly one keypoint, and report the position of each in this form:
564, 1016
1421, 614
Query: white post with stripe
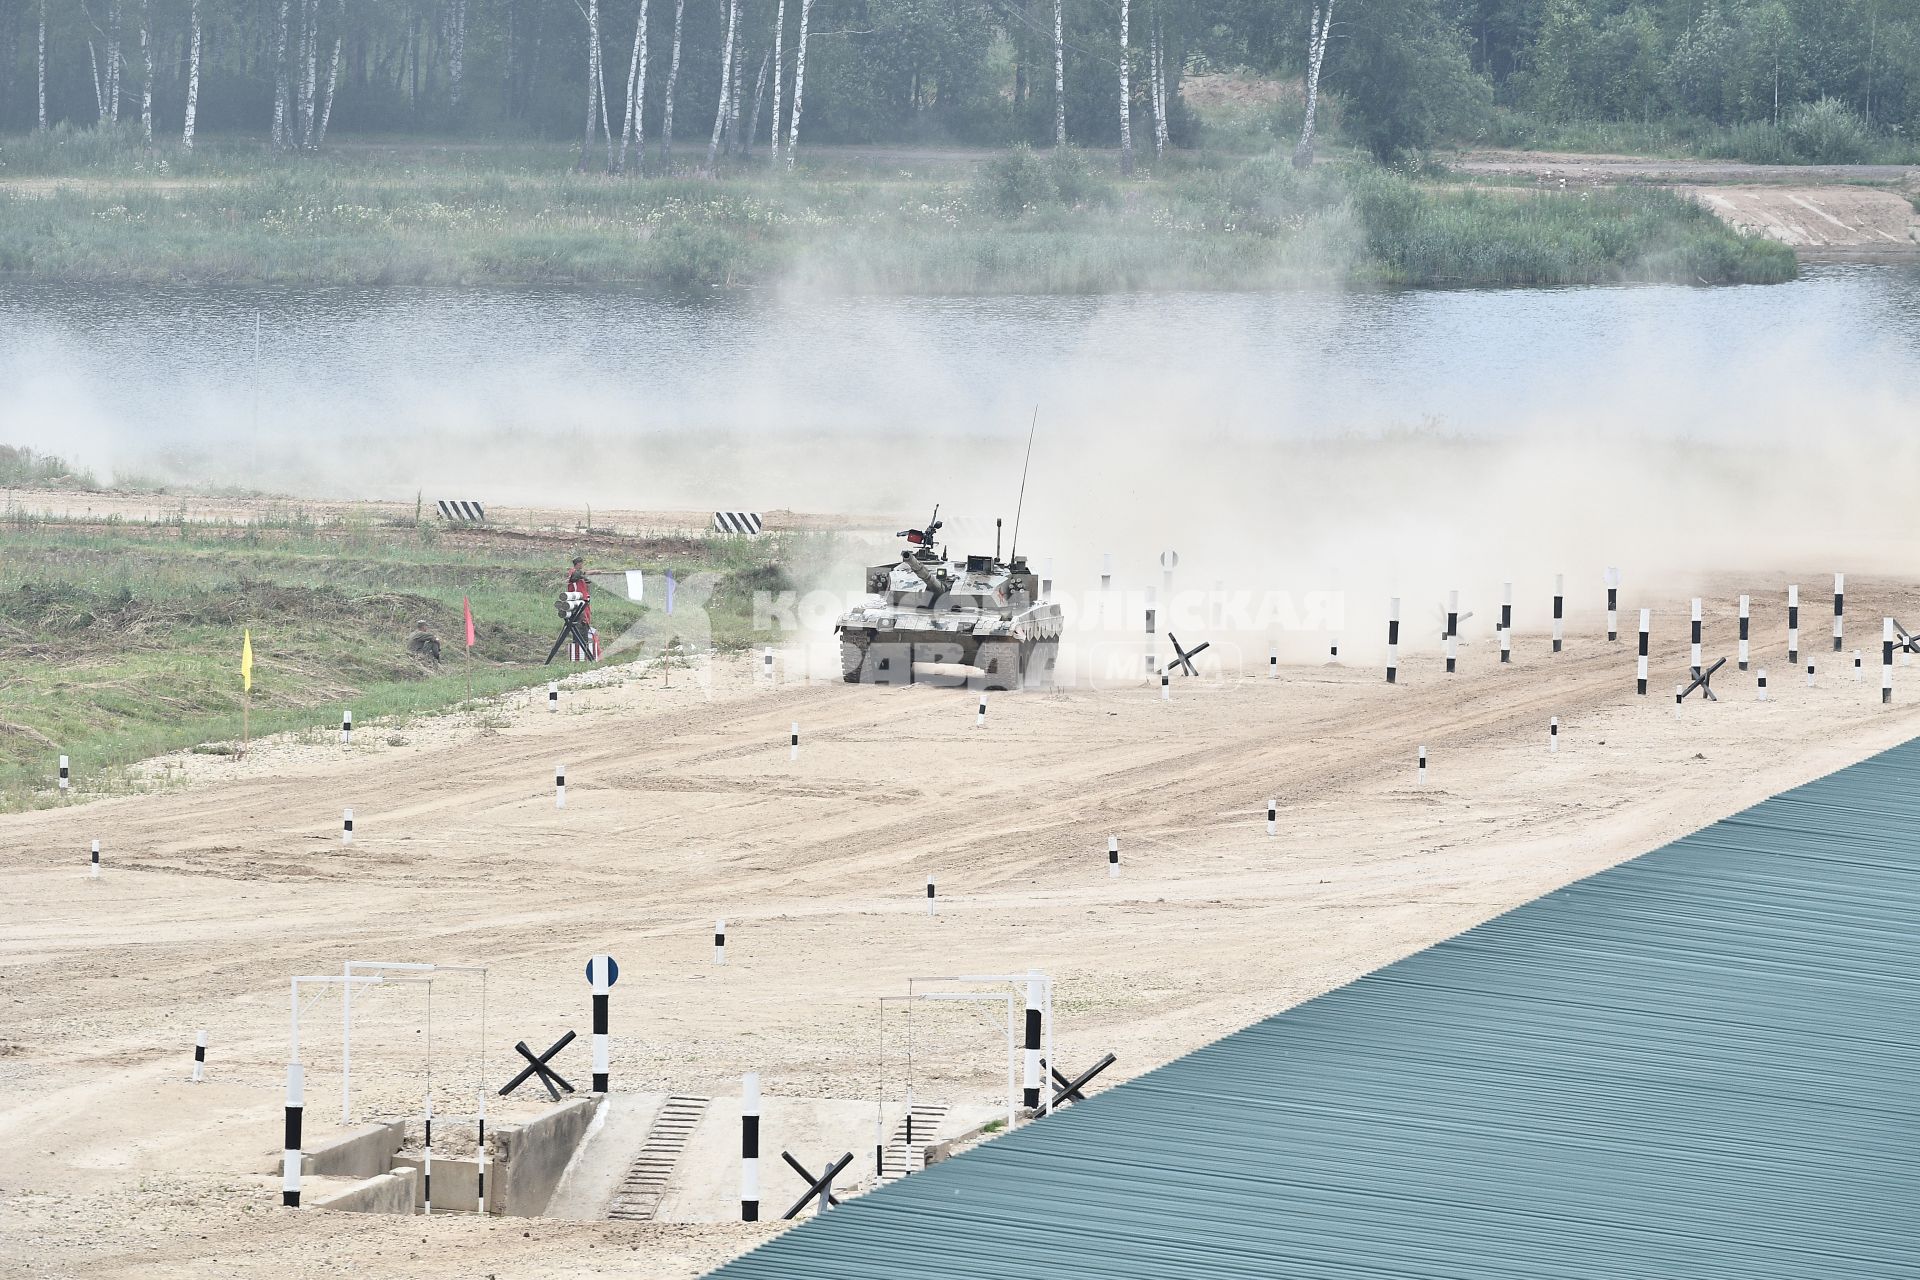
766, 664
1553, 736
980, 716
1106, 571
1453, 629
199, 1056
1886, 661
1559, 609
793, 741
1693, 653
553, 695
1839, 609
290, 1159
1273, 659
1150, 641
1809, 675
1113, 857
930, 906
750, 1147
1640, 667
480, 1157
426, 1162
560, 786
1273, 816
65, 773
1746, 623
1166, 689
1030, 1090
1760, 690
601, 982
747, 523
1393, 639
719, 941
93, 867
1506, 622
1793, 624
1421, 763
346, 826
346, 727
1859, 672
1613, 604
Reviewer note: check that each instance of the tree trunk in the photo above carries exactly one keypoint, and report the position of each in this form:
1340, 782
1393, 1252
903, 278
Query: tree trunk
593, 80
738, 94
673, 77
1126, 93
456, 50
799, 83
146, 78
634, 127
1059, 78
41, 63
280, 81
726, 87
309, 59
113, 64
333, 77
759, 99
779, 70
600, 78
1159, 88
99, 93
1316, 52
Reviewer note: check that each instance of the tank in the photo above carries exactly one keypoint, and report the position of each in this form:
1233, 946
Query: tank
979, 621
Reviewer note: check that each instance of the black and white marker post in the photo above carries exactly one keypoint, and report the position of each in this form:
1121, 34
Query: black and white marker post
553, 695
65, 773
793, 741
1640, 667
766, 664
719, 941
1166, 689
1273, 659
1793, 624
290, 1159
1613, 604
1553, 736
199, 1056
1393, 639
1421, 761
346, 826
1506, 622
602, 973
1030, 1074
93, 868
980, 716
750, 1147
1746, 622
1859, 673
930, 906
1886, 661
1839, 609
1760, 691
1559, 609
426, 1160
1150, 612
1273, 816
1113, 857
346, 727
1106, 571
1693, 653
560, 786
1453, 630
1809, 675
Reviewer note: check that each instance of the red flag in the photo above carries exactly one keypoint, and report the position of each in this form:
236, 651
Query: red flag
468, 605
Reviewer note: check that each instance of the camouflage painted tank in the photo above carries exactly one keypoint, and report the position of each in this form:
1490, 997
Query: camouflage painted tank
980, 621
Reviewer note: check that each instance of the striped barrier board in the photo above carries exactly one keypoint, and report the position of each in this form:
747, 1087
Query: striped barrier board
461, 509
745, 522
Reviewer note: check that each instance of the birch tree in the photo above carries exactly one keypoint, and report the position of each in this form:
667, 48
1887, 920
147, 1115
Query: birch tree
1159, 88
193, 75
726, 86
333, 76
456, 50
738, 93
759, 100
635, 124
41, 64
1059, 76
1317, 34
779, 69
99, 91
1126, 93
673, 77
280, 81
593, 79
309, 56
146, 78
113, 64
799, 83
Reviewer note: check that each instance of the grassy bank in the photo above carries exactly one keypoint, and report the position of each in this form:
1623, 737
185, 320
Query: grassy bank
1018, 222
122, 641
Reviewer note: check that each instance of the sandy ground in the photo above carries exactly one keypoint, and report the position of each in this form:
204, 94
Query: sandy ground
1819, 220
682, 807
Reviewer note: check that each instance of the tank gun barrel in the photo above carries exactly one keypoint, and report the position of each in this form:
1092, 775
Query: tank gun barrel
921, 571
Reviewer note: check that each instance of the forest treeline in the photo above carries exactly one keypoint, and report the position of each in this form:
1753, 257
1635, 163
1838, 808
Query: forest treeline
1814, 79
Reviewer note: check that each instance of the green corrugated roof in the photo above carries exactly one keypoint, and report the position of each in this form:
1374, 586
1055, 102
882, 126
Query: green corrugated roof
1702, 1063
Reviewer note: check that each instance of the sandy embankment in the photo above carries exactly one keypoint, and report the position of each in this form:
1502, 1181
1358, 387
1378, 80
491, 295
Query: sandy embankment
683, 807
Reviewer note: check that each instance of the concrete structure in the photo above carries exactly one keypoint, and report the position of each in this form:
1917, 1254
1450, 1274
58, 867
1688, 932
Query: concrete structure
396, 1192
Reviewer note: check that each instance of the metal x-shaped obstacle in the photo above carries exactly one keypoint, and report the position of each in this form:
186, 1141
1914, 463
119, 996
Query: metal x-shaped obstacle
821, 1186
538, 1066
1070, 1090
1183, 658
574, 628
1904, 640
1703, 681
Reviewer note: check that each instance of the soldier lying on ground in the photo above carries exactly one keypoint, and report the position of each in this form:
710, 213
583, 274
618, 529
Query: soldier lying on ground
423, 643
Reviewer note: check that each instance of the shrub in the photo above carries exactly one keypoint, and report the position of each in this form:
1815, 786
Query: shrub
1016, 182
693, 255
1828, 132
1076, 183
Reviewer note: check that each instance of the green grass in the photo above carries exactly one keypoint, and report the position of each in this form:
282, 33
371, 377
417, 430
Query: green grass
372, 215
1681, 137
122, 641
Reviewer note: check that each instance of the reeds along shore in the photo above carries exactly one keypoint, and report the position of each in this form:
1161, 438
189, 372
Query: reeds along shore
1022, 221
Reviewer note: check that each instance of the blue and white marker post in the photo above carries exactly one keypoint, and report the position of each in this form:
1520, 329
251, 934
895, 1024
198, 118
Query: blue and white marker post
602, 973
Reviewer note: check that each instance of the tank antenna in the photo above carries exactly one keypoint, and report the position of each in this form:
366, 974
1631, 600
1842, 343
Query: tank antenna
1013, 550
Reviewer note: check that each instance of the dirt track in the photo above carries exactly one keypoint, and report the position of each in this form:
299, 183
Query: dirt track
683, 807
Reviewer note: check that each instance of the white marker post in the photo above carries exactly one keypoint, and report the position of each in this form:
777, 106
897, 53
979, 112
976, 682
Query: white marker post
1553, 736
1809, 675
560, 786
1859, 672
793, 741
1150, 613
1113, 857
1393, 639
1746, 622
93, 869
290, 1157
1886, 661
1693, 653
1839, 609
1166, 689
1761, 688
1559, 609
553, 695
766, 664
1506, 622
346, 826
1106, 571
426, 1162
1613, 604
930, 907
64, 773
1640, 667
1453, 629
750, 1147
980, 716
199, 1056
719, 941
1273, 817
1273, 659
346, 727
1422, 770
602, 973
1793, 624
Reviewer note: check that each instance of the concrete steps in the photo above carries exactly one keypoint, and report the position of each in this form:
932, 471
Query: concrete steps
899, 1158
639, 1194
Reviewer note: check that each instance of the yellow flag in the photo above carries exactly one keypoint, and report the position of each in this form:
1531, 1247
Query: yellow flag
246, 660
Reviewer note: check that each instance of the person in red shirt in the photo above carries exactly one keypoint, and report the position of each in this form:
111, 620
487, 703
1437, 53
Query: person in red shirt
577, 581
